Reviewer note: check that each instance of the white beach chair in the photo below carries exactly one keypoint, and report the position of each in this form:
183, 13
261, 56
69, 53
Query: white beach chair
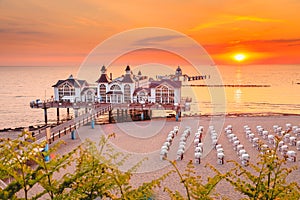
251, 136
293, 141
241, 152
284, 150
198, 150
163, 154
201, 128
298, 145
286, 138
271, 139
265, 134
235, 144
245, 159
196, 142
220, 150
275, 128
235, 138
220, 158
280, 144
239, 147
248, 132
198, 156
291, 156
218, 146
288, 127
264, 148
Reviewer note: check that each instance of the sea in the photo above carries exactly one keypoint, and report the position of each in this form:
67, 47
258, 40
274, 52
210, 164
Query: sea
248, 90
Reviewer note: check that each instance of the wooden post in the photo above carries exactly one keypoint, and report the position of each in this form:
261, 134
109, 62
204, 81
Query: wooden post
68, 113
48, 135
122, 115
57, 115
118, 115
45, 115
110, 116
76, 112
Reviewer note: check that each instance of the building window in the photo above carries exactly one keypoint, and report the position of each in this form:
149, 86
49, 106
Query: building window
127, 94
102, 91
164, 94
89, 96
115, 88
158, 95
66, 90
142, 96
171, 96
116, 94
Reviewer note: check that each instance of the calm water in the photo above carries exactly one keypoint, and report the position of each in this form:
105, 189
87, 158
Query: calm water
20, 85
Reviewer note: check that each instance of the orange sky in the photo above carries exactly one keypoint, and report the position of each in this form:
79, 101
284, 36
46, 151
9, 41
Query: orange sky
35, 32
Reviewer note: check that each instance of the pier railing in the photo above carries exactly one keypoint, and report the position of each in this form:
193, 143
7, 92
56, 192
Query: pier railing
69, 126
61, 104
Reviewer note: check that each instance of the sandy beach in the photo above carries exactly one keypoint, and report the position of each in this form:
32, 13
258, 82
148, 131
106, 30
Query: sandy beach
143, 139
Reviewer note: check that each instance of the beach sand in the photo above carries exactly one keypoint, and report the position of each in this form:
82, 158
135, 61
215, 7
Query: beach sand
143, 139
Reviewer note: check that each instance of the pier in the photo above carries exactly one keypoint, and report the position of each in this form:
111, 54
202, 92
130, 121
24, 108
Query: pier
130, 97
116, 113
71, 125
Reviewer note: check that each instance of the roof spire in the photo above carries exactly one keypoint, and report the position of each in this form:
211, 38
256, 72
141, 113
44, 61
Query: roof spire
178, 71
103, 70
71, 77
127, 70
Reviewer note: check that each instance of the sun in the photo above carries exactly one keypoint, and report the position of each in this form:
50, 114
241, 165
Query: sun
239, 57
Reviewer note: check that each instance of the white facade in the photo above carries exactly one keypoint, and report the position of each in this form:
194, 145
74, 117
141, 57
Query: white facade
70, 90
128, 88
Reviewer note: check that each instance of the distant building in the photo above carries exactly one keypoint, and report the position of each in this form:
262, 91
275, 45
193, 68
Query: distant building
119, 90
128, 88
74, 90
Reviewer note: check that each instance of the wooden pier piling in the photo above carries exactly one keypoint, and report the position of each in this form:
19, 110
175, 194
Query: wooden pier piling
57, 115
45, 115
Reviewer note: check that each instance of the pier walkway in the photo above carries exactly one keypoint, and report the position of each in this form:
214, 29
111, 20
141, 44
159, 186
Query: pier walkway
73, 124
124, 112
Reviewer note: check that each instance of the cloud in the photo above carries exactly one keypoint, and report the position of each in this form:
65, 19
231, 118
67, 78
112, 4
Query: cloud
86, 21
256, 19
21, 31
230, 19
284, 40
2, 30
263, 43
154, 40
287, 42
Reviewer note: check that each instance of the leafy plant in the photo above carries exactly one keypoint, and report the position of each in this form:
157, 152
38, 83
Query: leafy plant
23, 163
97, 174
194, 187
267, 180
